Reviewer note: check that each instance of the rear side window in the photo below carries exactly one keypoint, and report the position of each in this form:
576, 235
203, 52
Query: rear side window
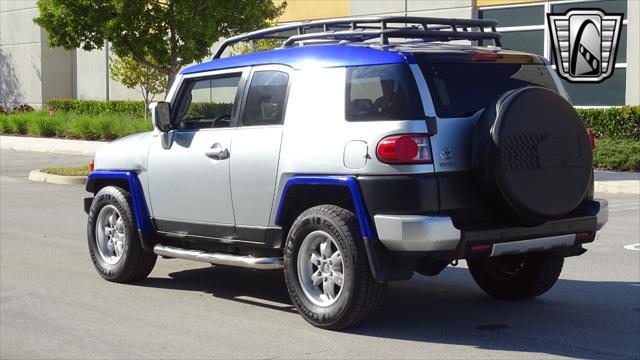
266, 98
461, 89
382, 92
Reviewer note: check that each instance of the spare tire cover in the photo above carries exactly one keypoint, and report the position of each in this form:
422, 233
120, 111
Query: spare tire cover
533, 154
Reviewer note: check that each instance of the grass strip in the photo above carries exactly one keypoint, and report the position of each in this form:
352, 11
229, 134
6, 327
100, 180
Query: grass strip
67, 171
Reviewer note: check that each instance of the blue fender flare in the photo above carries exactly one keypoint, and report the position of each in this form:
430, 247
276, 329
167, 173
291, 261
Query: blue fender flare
141, 213
385, 265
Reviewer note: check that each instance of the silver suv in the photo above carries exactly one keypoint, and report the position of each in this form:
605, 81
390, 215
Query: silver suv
361, 151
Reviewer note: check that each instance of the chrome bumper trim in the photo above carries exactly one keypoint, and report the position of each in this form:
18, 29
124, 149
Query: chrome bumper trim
219, 259
603, 213
539, 244
417, 233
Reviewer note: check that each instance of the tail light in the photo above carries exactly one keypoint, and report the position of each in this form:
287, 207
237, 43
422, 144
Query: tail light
592, 138
405, 149
91, 166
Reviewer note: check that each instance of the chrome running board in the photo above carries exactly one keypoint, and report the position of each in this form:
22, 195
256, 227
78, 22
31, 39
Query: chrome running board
264, 263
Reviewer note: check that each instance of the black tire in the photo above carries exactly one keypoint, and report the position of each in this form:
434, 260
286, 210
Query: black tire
134, 263
516, 277
361, 294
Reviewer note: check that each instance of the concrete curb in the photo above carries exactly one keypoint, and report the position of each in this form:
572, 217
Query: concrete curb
37, 175
618, 187
49, 145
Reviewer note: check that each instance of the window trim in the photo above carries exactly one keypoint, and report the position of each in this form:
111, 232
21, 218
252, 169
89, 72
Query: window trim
190, 78
247, 85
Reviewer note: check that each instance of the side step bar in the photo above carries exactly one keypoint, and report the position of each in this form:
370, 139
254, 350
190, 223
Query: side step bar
265, 263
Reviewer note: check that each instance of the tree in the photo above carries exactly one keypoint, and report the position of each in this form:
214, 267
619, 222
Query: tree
161, 34
257, 45
134, 75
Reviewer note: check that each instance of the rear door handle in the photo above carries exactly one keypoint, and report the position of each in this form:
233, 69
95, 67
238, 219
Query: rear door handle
217, 152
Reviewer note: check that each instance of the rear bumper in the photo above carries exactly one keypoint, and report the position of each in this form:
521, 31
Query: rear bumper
414, 233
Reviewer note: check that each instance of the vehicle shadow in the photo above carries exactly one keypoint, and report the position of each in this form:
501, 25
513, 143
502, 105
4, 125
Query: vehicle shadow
585, 319
263, 288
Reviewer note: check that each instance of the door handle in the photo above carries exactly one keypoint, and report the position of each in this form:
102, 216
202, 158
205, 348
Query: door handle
217, 152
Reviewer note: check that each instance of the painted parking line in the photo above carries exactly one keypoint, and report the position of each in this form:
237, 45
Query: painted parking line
624, 204
623, 207
633, 247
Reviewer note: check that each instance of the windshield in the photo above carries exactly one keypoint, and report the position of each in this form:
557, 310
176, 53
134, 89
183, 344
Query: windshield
461, 89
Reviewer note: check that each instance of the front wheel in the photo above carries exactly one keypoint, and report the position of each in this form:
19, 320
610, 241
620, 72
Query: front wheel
514, 277
114, 244
327, 270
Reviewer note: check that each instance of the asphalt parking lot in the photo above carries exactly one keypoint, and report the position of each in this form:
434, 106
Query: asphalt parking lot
54, 305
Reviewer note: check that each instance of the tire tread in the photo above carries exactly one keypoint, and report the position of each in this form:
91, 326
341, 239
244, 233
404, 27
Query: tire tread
369, 293
139, 263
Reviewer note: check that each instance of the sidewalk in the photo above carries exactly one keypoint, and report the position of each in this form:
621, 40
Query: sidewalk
57, 146
606, 181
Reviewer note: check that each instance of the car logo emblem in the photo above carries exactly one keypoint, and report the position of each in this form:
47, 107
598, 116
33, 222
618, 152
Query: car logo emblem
585, 44
446, 154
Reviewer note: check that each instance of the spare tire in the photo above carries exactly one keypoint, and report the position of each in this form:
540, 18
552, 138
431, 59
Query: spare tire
532, 155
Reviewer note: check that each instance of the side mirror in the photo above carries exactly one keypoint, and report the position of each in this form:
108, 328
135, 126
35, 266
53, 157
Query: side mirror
162, 116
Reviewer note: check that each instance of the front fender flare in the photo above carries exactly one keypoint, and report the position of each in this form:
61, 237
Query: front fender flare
145, 226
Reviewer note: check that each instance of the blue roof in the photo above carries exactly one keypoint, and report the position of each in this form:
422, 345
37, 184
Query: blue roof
316, 56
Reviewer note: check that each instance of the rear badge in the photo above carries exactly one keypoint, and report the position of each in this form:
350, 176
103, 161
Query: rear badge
446, 154
585, 44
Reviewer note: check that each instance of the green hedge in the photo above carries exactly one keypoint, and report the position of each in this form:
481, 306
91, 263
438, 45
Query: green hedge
94, 107
617, 154
613, 123
208, 110
72, 125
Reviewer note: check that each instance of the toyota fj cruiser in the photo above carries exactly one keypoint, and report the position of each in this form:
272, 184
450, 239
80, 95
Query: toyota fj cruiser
361, 151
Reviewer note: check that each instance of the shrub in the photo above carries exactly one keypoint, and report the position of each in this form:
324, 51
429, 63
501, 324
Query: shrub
613, 123
94, 107
15, 124
72, 125
23, 108
617, 154
208, 110
44, 126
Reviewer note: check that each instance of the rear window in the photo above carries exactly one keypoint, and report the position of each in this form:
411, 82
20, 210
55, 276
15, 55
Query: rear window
382, 92
461, 89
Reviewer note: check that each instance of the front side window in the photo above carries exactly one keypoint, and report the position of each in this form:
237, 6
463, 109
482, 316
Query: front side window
382, 92
208, 103
266, 98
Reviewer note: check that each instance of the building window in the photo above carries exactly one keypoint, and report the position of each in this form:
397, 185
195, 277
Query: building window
523, 27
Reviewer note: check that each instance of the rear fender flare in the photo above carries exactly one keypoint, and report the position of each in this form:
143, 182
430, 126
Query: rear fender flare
385, 266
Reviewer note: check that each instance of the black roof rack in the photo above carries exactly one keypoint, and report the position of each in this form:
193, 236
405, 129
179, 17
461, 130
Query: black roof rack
368, 28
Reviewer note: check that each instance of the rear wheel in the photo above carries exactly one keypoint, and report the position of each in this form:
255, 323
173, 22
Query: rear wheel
114, 244
327, 270
514, 277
